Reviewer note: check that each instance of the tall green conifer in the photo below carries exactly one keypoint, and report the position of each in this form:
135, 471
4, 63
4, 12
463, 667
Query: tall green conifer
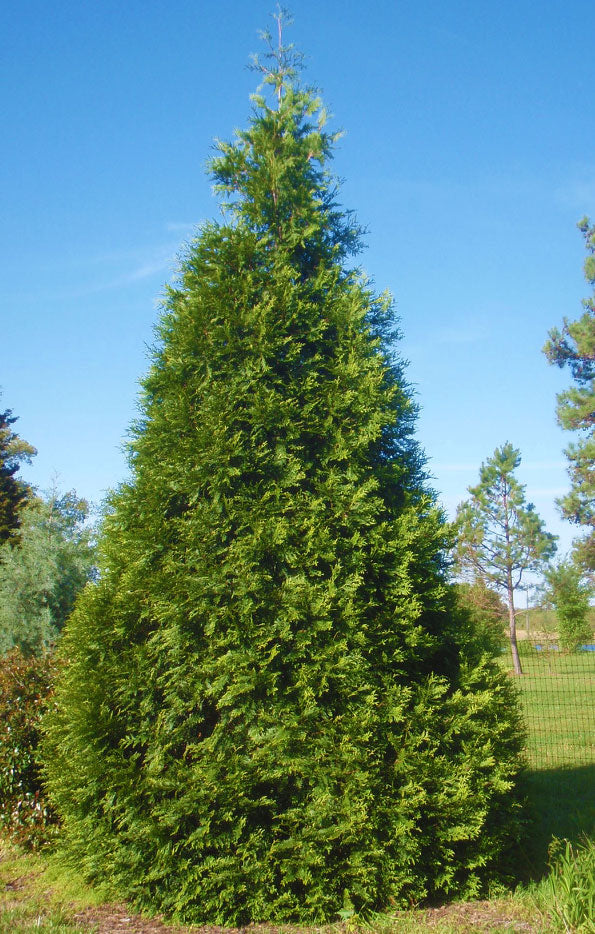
266, 713
14, 492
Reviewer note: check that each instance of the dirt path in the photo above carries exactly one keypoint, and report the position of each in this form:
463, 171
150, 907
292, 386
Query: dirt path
464, 918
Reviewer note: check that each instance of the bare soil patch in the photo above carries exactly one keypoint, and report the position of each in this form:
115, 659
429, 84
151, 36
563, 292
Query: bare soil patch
480, 917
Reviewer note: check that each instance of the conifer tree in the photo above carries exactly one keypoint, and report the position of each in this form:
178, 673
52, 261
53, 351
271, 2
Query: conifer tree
14, 492
574, 346
265, 712
499, 535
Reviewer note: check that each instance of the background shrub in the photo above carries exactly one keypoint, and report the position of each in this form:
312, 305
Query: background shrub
25, 690
569, 591
43, 571
486, 613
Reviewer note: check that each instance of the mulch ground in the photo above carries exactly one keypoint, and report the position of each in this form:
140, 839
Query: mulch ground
478, 917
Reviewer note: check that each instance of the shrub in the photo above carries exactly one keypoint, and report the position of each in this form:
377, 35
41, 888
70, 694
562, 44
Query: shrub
570, 592
42, 573
487, 614
266, 712
25, 690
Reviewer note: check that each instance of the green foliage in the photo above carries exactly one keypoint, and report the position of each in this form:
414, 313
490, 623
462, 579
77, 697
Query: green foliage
543, 620
499, 534
570, 595
265, 711
568, 894
14, 492
486, 612
574, 346
42, 573
25, 687
37, 894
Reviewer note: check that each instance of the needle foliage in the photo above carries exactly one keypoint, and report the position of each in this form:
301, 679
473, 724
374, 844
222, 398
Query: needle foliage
268, 709
499, 535
14, 492
574, 347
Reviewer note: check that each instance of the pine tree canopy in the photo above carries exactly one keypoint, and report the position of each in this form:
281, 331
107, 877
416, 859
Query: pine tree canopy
268, 710
574, 347
499, 535
14, 492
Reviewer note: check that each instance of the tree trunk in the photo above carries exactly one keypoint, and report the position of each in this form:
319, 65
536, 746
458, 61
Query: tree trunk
516, 662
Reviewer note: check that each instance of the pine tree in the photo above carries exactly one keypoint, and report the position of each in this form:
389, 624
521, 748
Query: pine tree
499, 534
265, 713
574, 346
14, 492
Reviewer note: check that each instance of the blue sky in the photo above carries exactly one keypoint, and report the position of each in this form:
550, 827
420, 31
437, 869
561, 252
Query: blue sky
468, 154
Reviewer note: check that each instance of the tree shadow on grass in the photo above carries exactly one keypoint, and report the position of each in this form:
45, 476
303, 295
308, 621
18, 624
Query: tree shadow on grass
561, 804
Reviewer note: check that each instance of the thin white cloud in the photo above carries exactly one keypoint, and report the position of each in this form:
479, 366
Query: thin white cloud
96, 274
161, 259
551, 493
578, 192
543, 465
150, 268
453, 468
182, 227
525, 465
463, 335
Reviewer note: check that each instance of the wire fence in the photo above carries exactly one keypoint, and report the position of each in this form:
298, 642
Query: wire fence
557, 694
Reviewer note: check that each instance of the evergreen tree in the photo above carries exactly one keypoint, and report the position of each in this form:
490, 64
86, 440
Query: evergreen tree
499, 534
264, 711
42, 573
570, 596
14, 492
574, 346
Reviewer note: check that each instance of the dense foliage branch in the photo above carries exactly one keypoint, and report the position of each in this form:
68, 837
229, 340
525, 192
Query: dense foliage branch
269, 707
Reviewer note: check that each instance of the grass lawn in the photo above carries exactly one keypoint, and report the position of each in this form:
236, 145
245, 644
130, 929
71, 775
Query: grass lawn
558, 701
557, 694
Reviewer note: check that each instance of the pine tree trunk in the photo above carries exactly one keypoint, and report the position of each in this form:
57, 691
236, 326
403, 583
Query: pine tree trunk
516, 661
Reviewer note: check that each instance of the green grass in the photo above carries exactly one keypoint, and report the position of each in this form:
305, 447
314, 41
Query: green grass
28, 903
34, 897
558, 702
568, 892
557, 695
